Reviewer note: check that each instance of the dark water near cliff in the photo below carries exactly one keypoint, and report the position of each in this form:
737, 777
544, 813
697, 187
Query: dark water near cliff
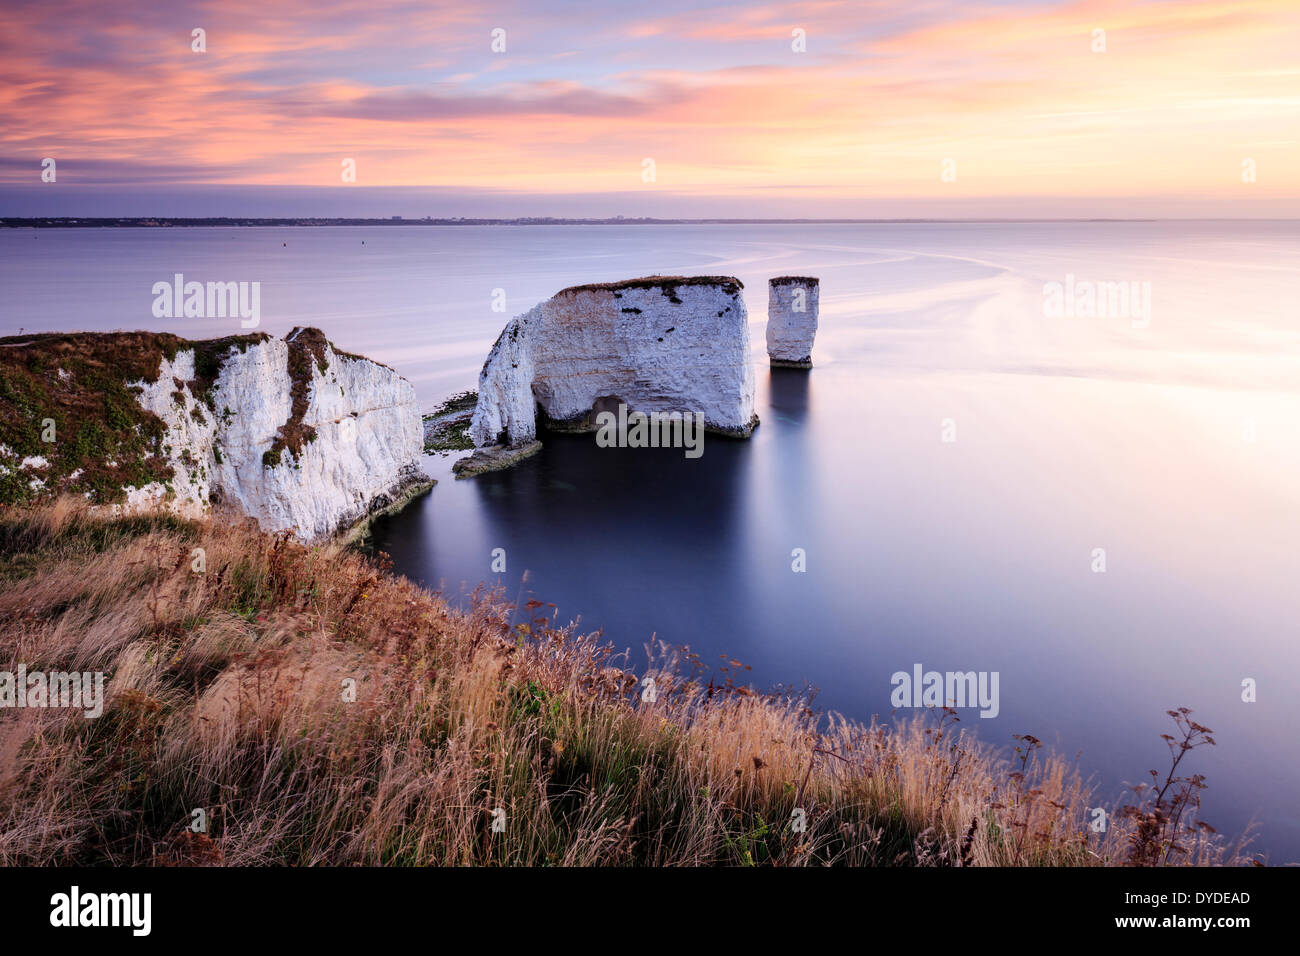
1174, 445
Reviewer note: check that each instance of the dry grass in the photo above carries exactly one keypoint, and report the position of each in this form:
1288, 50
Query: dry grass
226, 693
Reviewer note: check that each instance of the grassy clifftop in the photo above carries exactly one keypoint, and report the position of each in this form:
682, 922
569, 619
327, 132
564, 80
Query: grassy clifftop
66, 401
321, 710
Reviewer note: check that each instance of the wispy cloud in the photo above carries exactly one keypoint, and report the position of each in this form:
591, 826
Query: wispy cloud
1010, 97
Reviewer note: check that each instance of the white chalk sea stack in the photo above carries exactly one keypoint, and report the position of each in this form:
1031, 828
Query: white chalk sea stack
292, 433
657, 344
791, 320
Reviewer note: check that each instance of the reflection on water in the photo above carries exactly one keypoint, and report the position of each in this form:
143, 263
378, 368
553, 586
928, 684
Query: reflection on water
966, 556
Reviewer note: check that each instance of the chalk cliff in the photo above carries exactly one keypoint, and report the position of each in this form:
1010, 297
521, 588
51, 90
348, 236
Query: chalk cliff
792, 320
658, 344
288, 431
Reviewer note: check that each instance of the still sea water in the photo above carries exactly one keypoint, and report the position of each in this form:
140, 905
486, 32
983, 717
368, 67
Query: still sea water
1171, 441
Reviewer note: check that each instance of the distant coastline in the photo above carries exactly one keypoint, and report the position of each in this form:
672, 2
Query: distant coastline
56, 222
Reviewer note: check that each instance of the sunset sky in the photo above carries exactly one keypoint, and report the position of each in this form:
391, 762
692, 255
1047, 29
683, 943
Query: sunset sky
737, 123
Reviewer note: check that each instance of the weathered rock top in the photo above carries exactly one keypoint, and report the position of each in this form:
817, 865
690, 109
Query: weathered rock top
727, 283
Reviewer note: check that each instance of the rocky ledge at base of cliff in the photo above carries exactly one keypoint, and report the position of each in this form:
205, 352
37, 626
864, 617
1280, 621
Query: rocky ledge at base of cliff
657, 344
291, 432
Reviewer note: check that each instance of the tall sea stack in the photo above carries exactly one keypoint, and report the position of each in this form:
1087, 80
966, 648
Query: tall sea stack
791, 320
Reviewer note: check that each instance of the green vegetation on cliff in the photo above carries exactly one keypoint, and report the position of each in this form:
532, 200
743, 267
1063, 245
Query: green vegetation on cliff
67, 400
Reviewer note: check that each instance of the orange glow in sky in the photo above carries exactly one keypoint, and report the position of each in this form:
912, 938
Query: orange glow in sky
1191, 102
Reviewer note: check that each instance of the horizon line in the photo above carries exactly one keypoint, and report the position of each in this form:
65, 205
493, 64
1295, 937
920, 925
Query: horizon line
147, 221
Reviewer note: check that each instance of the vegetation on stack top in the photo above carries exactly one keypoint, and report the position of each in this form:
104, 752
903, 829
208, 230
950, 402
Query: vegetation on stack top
668, 284
228, 689
101, 440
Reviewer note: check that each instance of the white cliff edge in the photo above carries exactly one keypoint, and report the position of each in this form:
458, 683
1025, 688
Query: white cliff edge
792, 303
292, 433
658, 344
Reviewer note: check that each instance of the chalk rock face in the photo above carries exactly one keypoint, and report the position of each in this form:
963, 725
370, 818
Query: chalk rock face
187, 442
658, 344
792, 320
292, 433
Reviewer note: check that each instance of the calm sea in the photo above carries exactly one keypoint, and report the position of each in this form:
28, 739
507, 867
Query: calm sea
1169, 440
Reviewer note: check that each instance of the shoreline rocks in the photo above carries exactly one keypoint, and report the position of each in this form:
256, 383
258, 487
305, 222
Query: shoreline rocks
792, 304
494, 458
